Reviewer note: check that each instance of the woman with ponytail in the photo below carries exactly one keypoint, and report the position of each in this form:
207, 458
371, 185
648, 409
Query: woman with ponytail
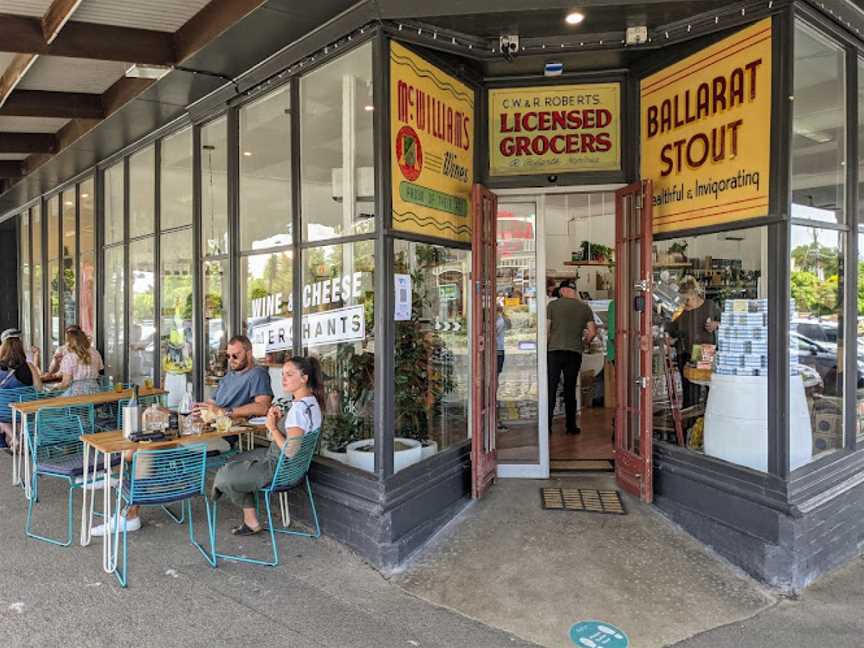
240, 480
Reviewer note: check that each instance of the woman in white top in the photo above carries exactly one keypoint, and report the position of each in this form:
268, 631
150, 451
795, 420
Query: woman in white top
240, 480
80, 366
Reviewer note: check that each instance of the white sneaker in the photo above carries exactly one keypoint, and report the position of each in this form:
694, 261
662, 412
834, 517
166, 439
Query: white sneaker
131, 525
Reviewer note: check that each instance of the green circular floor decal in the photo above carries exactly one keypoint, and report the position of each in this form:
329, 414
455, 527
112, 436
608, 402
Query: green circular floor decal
598, 634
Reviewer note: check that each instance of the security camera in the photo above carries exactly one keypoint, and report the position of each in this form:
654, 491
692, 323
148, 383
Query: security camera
509, 46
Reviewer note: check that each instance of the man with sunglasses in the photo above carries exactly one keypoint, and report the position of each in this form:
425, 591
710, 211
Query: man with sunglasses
245, 390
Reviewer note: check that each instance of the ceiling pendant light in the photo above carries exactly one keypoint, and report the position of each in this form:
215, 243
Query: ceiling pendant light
574, 18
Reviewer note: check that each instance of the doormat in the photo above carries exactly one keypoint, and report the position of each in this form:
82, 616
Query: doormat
582, 465
589, 500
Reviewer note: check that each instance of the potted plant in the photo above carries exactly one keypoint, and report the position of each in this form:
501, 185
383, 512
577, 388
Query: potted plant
678, 250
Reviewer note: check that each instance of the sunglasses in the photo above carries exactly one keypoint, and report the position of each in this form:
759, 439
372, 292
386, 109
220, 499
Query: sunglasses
235, 356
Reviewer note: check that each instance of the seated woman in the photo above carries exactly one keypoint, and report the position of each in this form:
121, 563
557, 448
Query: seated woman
80, 366
239, 480
15, 372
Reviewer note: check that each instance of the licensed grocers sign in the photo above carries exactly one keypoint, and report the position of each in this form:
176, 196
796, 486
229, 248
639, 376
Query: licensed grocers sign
706, 133
432, 138
555, 129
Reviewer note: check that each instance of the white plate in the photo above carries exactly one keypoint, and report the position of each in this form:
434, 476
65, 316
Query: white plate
258, 420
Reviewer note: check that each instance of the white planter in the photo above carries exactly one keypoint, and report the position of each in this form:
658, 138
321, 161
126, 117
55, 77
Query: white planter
341, 457
366, 460
429, 450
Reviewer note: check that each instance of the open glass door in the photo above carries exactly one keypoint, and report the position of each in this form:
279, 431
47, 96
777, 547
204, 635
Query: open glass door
634, 341
484, 423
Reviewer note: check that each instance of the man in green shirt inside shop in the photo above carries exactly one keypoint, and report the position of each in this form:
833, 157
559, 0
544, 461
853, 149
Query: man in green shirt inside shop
570, 326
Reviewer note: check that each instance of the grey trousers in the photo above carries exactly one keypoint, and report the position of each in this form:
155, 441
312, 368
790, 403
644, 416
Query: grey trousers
239, 480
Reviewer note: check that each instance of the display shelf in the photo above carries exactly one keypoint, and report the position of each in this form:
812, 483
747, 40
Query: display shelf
602, 264
673, 265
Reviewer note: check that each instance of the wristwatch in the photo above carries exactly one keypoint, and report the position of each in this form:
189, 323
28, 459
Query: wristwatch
228, 411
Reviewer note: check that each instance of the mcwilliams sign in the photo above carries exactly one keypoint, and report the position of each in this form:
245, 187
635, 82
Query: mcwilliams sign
328, 327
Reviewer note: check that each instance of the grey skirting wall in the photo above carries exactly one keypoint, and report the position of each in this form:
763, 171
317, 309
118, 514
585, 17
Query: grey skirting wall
784, 546
386, 522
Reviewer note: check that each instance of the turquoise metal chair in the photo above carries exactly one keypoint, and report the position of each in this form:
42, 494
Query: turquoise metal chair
290, 473
161, 477
57, 452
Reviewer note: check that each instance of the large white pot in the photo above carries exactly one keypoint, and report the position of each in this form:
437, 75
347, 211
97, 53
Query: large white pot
401, 459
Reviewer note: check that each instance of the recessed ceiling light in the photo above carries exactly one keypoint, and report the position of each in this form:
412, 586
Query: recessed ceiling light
574, 18
369, 108
247, 153
69, 203
85, 195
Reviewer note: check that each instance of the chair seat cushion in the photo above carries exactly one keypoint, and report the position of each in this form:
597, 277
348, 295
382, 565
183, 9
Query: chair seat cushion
71, 465
154, 498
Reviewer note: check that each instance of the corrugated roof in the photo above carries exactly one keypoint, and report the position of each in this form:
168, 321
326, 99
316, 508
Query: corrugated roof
159, 15
25, 7
31, 124
62, 74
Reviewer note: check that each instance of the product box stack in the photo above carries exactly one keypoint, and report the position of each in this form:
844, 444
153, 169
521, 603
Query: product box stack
742, 348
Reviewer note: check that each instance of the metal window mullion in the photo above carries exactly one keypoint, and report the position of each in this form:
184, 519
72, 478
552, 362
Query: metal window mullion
850, 275
296, 220
77, 260
99, 257
778, 245
384, 405
127, 275
30, 261
233, 138
157, 263
46, 297
197, 268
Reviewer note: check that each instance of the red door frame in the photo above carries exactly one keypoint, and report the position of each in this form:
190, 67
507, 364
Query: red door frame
633, 462
484, 464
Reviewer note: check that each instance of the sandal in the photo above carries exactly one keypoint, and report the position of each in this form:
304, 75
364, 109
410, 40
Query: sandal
244, 530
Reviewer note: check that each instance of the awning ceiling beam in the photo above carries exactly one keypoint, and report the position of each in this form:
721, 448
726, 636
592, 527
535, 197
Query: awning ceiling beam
64, 105
28, 143
11, 169
24, 35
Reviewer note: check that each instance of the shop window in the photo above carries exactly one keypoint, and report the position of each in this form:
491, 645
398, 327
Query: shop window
267, 310
214, 187
818, 128
142, 325
86, 260
114, 308
859, 352
431, 350
24, 248
142, 192
68, 244
175, 179
710, 295
816, 341
36, 228
53, 269
265, 172
176, 322
215, 308
338, 171
114, 204
338, 328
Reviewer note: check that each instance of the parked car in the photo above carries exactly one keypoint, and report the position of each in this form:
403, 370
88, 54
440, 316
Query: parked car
822, 357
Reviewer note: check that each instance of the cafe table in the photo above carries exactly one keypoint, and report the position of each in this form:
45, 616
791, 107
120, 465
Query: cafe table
107, 444
21, 464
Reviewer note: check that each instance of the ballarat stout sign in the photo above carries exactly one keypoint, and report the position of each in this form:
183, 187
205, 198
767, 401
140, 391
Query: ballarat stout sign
555, 129
432, 154
706, 133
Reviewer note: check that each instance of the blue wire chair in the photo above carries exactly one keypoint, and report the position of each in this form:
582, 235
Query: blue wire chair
160, 477
57, 451
7, 398
290, 472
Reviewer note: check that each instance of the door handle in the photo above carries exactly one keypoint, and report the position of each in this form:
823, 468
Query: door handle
641, 285
642, 381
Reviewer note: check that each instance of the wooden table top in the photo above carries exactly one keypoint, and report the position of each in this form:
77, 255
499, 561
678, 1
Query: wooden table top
99, 398
114, 442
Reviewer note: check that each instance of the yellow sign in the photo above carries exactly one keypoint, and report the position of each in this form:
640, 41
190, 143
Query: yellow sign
432, 138
706, 133
555, 129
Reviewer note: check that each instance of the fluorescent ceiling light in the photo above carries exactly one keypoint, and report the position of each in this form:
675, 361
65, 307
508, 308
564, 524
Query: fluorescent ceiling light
368, 108
247, 153
574, 18
147, 71
85, 195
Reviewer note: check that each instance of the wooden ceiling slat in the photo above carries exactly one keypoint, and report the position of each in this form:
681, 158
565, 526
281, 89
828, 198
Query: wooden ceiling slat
24, 35
28, 143
57, 15
11, 169
13, 74
66, 105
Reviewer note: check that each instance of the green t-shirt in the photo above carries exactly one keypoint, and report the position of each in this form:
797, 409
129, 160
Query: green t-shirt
610, 337
568, 319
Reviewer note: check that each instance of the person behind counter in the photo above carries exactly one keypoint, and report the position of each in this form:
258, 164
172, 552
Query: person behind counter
240, 480
697, 324
569, 327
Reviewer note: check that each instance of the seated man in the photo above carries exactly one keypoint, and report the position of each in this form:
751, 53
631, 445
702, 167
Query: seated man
245, 390
243, 393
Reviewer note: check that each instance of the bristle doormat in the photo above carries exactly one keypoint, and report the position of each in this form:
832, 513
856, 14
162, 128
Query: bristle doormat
588, 500
582, 465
